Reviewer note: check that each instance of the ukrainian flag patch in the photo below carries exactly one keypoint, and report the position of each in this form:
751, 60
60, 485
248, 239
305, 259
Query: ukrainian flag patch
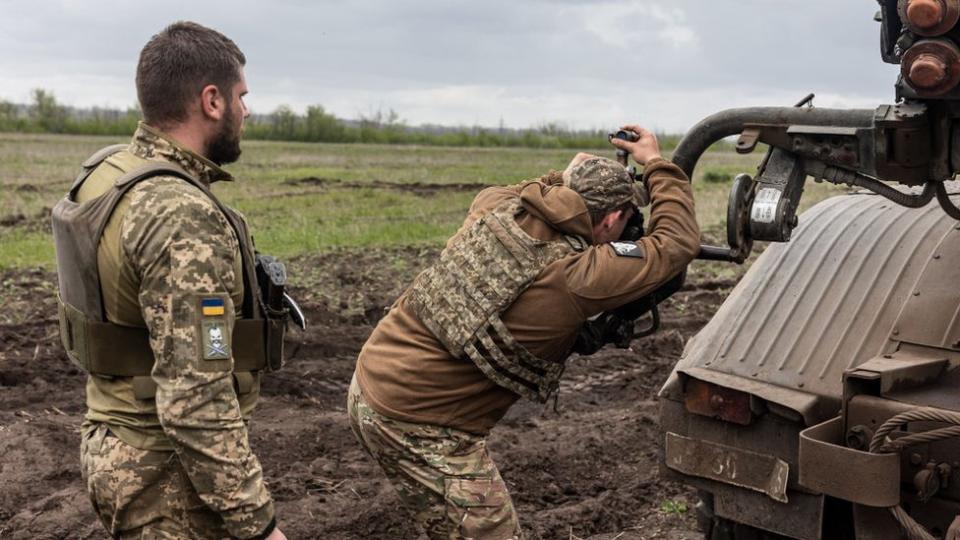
212, 306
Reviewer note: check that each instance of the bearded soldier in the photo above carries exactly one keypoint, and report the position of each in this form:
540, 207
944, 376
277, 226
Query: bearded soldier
494, 319
160, 305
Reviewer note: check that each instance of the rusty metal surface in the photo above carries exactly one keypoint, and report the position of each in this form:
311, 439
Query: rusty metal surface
827, 301
827, 466
770, 434
751, 470
718, 402
932, 67
799, 518
808, 406
929, 17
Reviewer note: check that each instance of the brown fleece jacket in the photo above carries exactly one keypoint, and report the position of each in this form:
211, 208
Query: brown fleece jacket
405, 373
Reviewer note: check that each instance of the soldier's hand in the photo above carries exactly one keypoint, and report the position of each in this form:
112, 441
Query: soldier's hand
277, 535
644, 149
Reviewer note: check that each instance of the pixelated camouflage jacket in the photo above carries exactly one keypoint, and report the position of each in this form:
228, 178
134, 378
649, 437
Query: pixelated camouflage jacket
182, 251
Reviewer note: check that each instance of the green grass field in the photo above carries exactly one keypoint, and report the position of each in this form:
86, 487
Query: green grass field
303, 198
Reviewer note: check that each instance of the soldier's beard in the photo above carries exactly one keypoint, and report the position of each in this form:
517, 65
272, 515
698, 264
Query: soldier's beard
225, 146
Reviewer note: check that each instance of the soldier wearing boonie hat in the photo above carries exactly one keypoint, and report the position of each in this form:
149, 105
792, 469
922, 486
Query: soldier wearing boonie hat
495, 318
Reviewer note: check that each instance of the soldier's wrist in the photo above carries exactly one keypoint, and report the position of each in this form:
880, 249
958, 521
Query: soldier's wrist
670, 170
653, 160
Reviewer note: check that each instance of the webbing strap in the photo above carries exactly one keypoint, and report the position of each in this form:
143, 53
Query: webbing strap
90, 164
96, 346
103, 154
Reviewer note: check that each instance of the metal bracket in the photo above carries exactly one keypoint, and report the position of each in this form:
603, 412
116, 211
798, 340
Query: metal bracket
748, 139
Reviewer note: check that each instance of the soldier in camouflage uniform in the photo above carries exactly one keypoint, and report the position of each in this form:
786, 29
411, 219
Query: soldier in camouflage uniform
495, 318
149, 307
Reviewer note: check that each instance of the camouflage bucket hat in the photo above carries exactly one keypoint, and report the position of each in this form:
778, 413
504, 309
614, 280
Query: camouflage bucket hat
605, 184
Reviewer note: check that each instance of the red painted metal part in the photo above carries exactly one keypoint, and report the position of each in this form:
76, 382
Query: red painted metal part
929, 18
718, 402
932, 66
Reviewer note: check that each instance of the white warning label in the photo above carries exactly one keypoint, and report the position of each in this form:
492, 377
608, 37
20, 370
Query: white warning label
765, 205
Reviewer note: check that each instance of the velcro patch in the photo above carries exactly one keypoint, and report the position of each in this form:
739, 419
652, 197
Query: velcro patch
627, 249
216, 346
212, 307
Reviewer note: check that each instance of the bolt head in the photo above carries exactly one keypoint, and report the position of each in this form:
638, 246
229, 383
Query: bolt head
716, 401
926, 13
928, 71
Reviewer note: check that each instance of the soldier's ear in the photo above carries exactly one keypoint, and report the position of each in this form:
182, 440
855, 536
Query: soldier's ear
212, 102
612, 219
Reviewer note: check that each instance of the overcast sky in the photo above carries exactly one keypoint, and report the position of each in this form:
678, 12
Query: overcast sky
664, 63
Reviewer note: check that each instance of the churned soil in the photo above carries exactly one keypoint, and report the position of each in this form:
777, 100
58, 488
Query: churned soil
588, 469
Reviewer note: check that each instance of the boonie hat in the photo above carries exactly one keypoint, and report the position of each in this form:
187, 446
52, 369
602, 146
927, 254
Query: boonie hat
605, 184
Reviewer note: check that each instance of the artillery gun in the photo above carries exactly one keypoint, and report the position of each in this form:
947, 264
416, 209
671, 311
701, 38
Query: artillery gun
823, 398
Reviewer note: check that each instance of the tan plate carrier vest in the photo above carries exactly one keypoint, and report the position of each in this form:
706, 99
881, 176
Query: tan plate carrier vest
461, 297
91, 341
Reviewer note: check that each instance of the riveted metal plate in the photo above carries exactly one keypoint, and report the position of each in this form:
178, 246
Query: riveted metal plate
752, 470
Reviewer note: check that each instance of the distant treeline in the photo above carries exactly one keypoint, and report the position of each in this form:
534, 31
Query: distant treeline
46, 115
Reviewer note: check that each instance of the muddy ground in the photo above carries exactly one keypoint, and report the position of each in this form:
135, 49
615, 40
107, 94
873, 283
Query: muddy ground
587, 471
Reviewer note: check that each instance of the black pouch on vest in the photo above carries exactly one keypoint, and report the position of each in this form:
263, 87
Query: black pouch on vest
272, 278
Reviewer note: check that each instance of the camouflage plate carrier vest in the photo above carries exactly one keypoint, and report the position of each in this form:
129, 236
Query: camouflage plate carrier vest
461, 297
90, 340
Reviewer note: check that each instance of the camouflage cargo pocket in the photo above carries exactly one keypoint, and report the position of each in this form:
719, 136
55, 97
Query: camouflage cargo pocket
481, 507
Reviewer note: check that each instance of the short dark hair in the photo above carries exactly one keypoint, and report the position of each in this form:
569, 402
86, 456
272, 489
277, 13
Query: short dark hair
177, 63
597, 214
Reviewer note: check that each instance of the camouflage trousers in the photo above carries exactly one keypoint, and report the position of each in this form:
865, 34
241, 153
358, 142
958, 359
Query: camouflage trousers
141, 493
444, 477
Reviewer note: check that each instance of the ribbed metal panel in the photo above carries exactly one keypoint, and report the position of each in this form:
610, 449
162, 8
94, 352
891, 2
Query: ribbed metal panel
828, 300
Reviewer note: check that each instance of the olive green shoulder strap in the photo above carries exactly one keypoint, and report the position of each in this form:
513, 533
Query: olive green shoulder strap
102, 154
131, 178
90, 164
